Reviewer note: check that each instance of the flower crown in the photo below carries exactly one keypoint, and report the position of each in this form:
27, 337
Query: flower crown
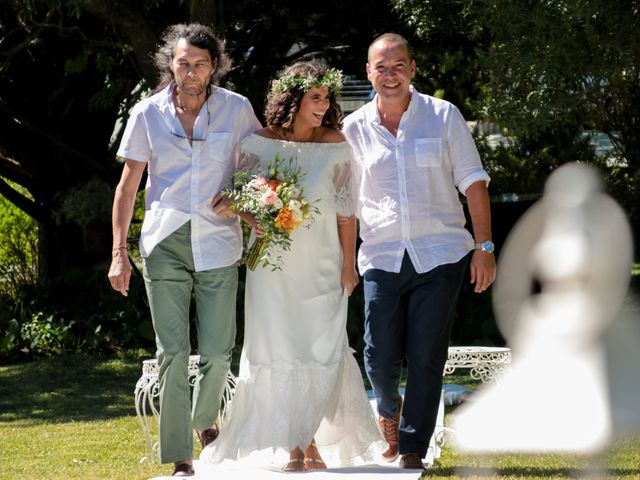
332, 79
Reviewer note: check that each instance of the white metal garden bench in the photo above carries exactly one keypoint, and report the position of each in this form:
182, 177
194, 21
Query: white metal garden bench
485, 364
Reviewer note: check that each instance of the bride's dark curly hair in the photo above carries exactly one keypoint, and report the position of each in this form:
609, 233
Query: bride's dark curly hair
282, 107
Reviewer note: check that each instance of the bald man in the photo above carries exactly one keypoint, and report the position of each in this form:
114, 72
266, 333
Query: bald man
413, 154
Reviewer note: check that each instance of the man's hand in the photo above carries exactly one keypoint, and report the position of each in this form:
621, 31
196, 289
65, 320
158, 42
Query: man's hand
120, 271
220, 205
483, 270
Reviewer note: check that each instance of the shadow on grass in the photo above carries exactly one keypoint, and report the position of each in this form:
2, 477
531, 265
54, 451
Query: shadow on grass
69, 388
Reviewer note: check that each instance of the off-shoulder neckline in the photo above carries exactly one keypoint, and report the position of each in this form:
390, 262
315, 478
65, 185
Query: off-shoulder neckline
292, 142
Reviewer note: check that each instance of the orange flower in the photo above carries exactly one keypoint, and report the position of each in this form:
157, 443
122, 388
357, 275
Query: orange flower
286, 220
274, 184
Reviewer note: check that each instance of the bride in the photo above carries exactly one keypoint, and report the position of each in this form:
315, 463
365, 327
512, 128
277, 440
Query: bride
300, 400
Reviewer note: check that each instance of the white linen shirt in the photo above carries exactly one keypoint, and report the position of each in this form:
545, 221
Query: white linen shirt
182, 179
407, 197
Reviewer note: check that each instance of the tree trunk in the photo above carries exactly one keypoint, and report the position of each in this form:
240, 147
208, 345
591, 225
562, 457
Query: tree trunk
206, 12
62, 248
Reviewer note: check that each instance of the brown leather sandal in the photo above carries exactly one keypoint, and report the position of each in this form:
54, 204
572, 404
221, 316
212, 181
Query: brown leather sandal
312, 459
207, 436
294, 465
183, 470
314, 463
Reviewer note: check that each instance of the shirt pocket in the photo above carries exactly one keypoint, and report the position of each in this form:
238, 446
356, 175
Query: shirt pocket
428, 152
220, 147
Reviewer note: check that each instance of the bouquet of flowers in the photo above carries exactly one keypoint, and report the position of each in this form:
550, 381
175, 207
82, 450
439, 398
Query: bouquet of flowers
274, 198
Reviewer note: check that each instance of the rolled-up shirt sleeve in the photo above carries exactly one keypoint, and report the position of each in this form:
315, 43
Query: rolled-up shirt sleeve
466, 163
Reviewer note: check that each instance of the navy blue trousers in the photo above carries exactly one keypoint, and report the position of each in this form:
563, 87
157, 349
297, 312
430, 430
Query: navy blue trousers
409, 316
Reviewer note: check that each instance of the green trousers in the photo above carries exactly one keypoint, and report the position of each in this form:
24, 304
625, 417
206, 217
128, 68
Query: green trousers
171, 282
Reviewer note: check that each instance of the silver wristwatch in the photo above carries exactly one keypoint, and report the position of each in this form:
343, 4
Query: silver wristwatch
486, 246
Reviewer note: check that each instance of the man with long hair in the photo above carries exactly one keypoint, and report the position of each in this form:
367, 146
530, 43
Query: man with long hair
185, 136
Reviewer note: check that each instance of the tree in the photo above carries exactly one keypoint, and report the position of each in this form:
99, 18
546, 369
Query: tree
446, 48
71, 69
65, 77
551, 69
570, 65
18, 249
263, 37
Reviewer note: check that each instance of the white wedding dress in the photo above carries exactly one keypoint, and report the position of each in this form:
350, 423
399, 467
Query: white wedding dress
298, 379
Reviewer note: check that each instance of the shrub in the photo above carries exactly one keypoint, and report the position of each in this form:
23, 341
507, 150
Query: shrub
49, 334
86, 204
80, 312
18, 249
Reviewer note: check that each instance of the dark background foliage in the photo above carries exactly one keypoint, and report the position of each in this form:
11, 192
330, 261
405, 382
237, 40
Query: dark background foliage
540, 74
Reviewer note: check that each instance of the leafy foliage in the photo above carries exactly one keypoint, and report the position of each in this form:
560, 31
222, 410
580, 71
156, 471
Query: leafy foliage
64, 79
522, 166
446, 48
49, 334
566, 66
549, 70
71, 69
79, 314
332, 80
87, 203
18, 249
577, 64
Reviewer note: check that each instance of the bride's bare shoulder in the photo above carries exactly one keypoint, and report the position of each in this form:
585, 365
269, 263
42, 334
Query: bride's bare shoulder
331, 135
268, 132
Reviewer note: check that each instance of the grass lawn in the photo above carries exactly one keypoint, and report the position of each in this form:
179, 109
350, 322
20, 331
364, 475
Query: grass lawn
73, 417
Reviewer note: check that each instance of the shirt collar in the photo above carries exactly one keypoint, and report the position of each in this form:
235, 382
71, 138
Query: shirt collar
373, 115
413, 103
163, 98
164, 102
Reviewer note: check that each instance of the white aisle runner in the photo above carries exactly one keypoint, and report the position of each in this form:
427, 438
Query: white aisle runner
366, 472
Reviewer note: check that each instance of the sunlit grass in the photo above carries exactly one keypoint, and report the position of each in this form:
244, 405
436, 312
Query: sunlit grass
73, 417
622, 461
101, 449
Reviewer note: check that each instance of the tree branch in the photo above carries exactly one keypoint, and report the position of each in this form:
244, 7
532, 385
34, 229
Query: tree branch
55, 141
24, 203
11, 169
137, 31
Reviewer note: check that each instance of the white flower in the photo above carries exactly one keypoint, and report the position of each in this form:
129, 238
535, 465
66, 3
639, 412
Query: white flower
295, 204
278, 204
296, 209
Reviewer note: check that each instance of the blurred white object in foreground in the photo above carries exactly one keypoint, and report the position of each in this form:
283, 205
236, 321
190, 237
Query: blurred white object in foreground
562, 276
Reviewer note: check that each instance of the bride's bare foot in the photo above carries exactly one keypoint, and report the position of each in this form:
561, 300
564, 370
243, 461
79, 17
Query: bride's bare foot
312, 458
296, 461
